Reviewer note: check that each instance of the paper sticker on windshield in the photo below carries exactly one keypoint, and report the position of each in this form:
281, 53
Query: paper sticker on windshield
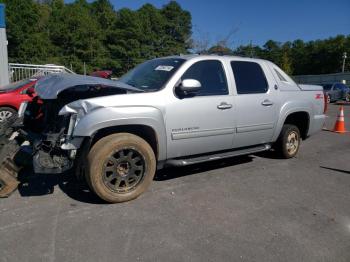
164, 68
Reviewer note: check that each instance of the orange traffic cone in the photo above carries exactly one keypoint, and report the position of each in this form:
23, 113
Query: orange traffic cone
339, 126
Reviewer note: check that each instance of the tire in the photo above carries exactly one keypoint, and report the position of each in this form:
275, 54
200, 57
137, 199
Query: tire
120, 167
329, 100
288, 142
347, 98
5, 132
7, 114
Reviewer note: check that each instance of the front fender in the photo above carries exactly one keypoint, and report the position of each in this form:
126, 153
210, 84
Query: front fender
117, 116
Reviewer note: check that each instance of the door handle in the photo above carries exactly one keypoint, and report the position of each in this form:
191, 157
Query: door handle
267, 102
224, 105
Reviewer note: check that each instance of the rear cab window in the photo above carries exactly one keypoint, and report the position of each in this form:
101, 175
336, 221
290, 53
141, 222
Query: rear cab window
249, 77
282, 80
280, 76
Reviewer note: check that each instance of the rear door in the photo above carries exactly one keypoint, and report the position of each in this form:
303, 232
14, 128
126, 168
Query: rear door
256, 101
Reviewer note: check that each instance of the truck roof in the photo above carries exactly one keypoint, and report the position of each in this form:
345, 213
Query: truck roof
191, 56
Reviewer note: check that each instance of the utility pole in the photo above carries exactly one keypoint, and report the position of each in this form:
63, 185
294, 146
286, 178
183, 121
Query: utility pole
344, 59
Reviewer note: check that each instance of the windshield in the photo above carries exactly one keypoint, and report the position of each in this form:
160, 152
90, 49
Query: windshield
327, 87
152, 75
16, 85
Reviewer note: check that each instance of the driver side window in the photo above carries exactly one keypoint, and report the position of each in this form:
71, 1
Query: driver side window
211, 75
340, 87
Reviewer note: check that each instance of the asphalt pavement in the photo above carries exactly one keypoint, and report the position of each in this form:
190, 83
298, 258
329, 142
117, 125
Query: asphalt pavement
251, 208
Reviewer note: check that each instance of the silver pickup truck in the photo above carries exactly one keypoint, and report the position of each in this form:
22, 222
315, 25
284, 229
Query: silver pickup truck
172, 111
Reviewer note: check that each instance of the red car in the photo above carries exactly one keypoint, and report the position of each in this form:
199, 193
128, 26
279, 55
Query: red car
12, 95
102, 73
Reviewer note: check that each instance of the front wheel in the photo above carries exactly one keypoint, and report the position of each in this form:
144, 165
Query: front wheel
7, 114
289, 141
347, 98
120, 167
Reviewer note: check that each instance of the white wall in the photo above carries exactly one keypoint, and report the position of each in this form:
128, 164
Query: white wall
320, 79
4, 72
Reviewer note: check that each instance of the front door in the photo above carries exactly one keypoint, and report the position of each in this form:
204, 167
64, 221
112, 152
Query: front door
203, 122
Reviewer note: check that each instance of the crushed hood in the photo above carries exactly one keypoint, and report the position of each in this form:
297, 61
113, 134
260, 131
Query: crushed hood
50, 86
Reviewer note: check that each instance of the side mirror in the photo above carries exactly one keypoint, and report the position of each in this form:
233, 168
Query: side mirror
189, 86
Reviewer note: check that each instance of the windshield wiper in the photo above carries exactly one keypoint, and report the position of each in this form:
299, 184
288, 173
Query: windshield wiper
134, 87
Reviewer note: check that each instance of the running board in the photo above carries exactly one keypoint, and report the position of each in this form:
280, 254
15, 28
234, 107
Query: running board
216, 156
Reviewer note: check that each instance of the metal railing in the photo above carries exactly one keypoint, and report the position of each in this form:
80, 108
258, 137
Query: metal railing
19, 72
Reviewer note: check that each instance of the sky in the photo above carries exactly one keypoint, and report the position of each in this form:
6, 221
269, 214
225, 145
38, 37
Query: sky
259, 21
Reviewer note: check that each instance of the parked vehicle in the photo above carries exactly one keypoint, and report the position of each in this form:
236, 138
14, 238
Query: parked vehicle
102, 73
172, 111
12, 96
336, 91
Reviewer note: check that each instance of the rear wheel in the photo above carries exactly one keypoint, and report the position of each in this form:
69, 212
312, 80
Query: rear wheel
289, 141
347, 98
120, 167
329, 99
7, 114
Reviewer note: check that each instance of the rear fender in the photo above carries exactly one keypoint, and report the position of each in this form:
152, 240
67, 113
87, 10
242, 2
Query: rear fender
288, 109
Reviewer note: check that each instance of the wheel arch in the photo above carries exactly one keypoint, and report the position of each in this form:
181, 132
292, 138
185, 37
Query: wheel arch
146, 122
300, 119
9, 106
145, 132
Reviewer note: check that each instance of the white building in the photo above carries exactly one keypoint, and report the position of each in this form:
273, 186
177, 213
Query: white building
4, 72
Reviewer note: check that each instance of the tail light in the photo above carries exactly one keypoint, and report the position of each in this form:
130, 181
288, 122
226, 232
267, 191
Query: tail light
325, 103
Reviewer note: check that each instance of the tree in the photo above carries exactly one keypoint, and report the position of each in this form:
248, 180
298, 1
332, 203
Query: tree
26, 31
76, 35
286, 63
52, 31
178, 29
93, 32
220, 50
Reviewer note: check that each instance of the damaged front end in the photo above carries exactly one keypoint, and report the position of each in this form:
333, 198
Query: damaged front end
42, 136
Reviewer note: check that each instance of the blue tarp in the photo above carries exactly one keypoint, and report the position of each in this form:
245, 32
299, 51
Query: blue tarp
2, 16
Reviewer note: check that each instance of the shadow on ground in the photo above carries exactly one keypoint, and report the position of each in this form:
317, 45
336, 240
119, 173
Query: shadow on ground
270, 154
336, 169
44, 184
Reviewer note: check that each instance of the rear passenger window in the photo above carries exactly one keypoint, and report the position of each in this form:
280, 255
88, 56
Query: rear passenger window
211, 75
250, 78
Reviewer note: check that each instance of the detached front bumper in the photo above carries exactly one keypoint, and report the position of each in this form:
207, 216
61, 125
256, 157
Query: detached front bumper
13, 156
8, 167
47, 154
